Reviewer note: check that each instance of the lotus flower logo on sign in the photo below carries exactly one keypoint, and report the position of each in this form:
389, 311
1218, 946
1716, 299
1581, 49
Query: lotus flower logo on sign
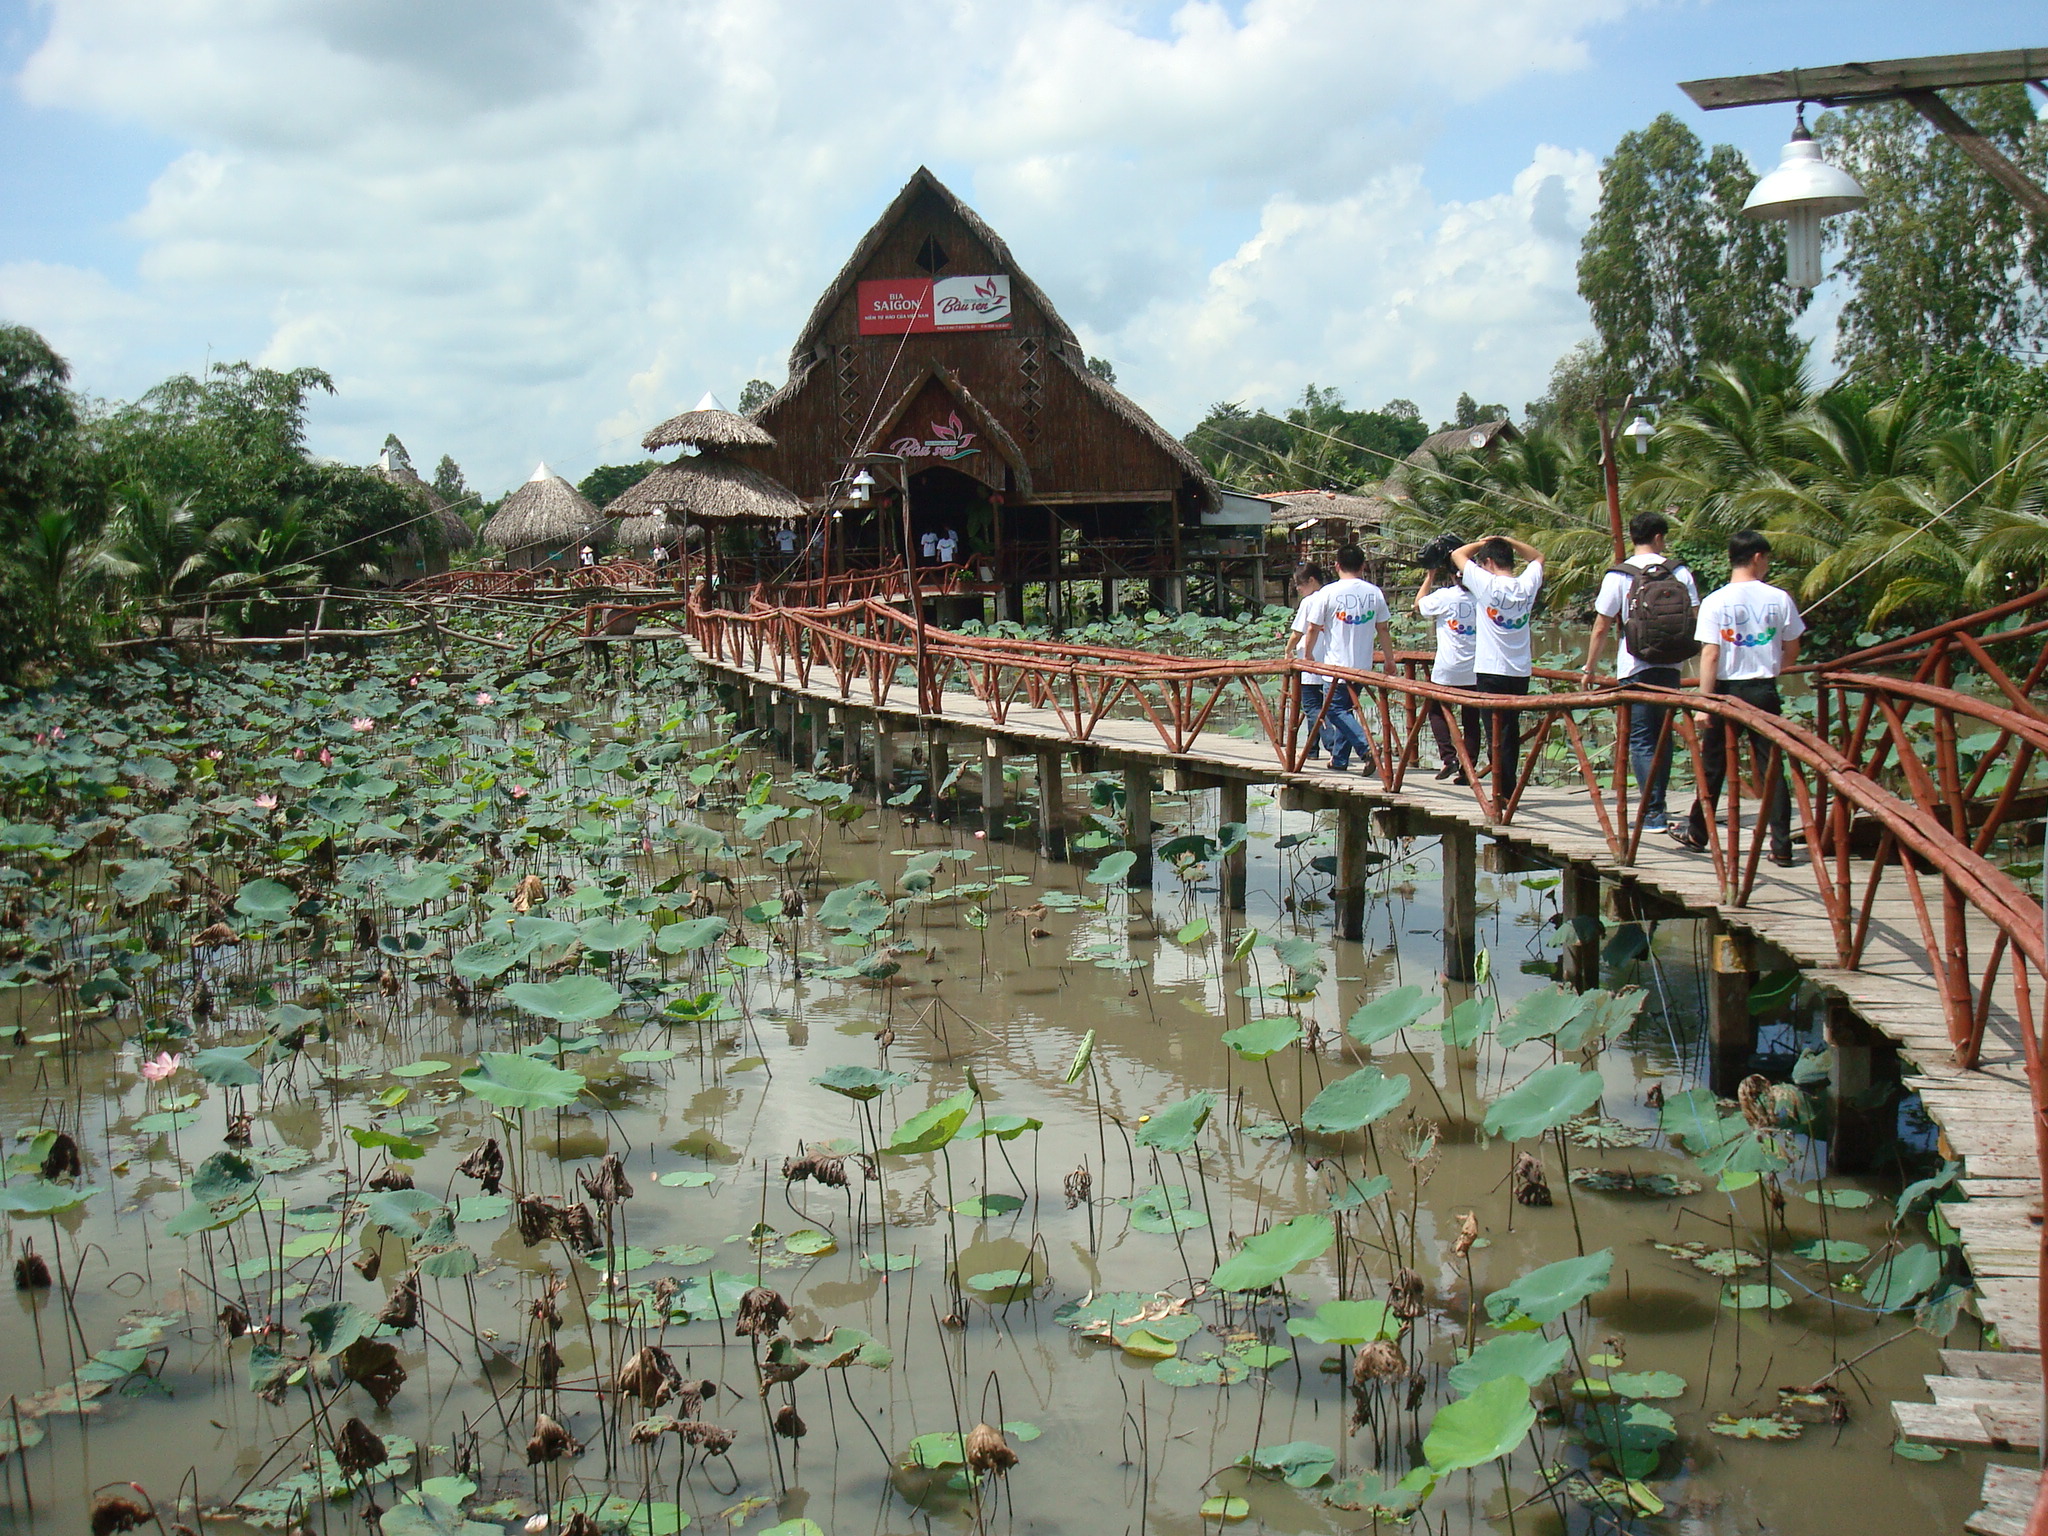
891, 306
950, 439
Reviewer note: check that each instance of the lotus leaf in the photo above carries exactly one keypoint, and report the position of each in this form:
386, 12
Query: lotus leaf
1347, 1322
1484, 1426
266, 901
933, 1128
1355, 1101
569, 1000
1388, 1015
520, 1082
1302, 1463
1529, 1356
1546, 1294
1280, 1250
1263, 1037
1174, 1128
160, 831
1903, 1278
1546, 1100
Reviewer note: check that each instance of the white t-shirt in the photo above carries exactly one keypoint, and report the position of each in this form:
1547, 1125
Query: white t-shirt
1750, 621
1614, 591
1350, 612
928, 544
1300, 627
1457, 633
948, 548
785, 540
1505, 605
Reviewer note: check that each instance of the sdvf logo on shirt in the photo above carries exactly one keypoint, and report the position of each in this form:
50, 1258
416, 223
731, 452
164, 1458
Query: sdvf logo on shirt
1735, 628
1458, 626
1367, 617
1503, 621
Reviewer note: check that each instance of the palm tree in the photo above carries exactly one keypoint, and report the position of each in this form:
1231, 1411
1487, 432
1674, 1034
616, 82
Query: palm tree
157, 550
55, 553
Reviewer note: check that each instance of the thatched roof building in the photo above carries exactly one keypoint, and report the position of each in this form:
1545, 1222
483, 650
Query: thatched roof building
424, 548
547, 521
1366, 511
930, 345
708, 488
707, 425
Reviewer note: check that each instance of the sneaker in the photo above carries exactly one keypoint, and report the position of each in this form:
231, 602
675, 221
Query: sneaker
1448, 771
1663, 824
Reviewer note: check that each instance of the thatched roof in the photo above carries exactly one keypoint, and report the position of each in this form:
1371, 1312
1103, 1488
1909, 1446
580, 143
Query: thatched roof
546, 510
805, 350
707, 488
707, 425
455, 533
1367, 511
1473, 439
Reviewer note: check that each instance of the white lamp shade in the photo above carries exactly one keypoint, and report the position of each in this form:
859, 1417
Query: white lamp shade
1804, 183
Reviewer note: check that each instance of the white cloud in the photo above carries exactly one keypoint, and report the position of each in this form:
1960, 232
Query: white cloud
528, 228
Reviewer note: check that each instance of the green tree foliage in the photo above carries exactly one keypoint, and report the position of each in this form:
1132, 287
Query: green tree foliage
1674, 275
1942, 260
1102, 368
395, 454
753, 394
1319, 444
450, 485
38, 478
610, 480
1470, 413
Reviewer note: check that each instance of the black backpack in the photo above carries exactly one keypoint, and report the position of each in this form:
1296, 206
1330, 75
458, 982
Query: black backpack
1657, 614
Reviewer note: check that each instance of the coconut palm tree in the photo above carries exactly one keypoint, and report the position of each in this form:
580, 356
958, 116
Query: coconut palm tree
157, 550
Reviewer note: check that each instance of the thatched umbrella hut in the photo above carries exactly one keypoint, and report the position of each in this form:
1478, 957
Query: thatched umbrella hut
426, 546
546, 522
704, 489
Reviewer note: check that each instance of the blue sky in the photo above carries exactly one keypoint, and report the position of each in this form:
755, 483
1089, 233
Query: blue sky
525, 229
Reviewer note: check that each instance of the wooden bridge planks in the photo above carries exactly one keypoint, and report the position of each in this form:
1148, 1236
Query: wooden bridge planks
2008, 1495
1984, 1114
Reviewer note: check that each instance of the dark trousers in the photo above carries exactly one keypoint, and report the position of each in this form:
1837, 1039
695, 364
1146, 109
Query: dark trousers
1440, 727
1763, 693
1645, 724
1504, 726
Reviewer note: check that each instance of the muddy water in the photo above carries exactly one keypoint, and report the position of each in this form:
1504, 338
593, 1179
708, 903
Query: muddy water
1105, 1441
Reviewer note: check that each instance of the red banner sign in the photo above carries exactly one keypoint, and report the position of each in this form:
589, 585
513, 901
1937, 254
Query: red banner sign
892, 306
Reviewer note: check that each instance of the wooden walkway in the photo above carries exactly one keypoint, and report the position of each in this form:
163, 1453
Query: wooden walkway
1984, 1115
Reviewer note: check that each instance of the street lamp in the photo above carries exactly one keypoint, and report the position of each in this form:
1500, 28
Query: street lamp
1802, 191
860, 488
1639, 432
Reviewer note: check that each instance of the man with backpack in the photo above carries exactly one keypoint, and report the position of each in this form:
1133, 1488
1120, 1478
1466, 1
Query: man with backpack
1653, 604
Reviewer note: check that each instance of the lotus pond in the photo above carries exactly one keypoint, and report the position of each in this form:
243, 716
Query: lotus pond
455, 1102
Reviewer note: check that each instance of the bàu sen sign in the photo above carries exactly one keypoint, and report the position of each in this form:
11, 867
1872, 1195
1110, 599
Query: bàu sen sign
891, 306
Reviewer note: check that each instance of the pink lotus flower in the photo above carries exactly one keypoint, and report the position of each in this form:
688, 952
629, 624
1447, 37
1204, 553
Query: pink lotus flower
517, 791
298, 754
57, 734
326, 758
483, 698
215, 753
362, 723
266, 802
161, 1066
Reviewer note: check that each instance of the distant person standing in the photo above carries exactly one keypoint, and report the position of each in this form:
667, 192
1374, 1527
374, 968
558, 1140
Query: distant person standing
1455, 613
588, 557
785, 540
1652, 603
659, 556
1343, 619
949, 547
1749, 634
928, 545
1501, 665
1309, 579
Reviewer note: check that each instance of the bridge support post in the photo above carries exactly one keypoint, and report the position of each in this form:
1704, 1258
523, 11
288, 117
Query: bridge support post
1138, 822
1052, 815
1731, 1031
1354, 840
991, 788
938, 767
1459, 855
1233, 799
849, 741
1580, 909
1859, 1059
885, 759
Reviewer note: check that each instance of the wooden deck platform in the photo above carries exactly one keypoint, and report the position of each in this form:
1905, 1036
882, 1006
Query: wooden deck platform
1984, 1115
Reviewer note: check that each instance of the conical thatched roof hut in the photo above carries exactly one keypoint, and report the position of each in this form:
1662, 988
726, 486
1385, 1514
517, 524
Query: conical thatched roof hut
708, 488
708, 425
424, 548
547, 521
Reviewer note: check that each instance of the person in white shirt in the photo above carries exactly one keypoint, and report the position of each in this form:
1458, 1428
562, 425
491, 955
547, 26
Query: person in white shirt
1457, 633
949, 547
1505, 604
1652, 769
1344, 619
928, 545
588, 556
658, 556
785, 540
1309, 579
1749, 633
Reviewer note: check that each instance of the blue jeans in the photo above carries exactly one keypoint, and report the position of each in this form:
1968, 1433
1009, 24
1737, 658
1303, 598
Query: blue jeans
1342, 734
1645, 724
1311, 706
